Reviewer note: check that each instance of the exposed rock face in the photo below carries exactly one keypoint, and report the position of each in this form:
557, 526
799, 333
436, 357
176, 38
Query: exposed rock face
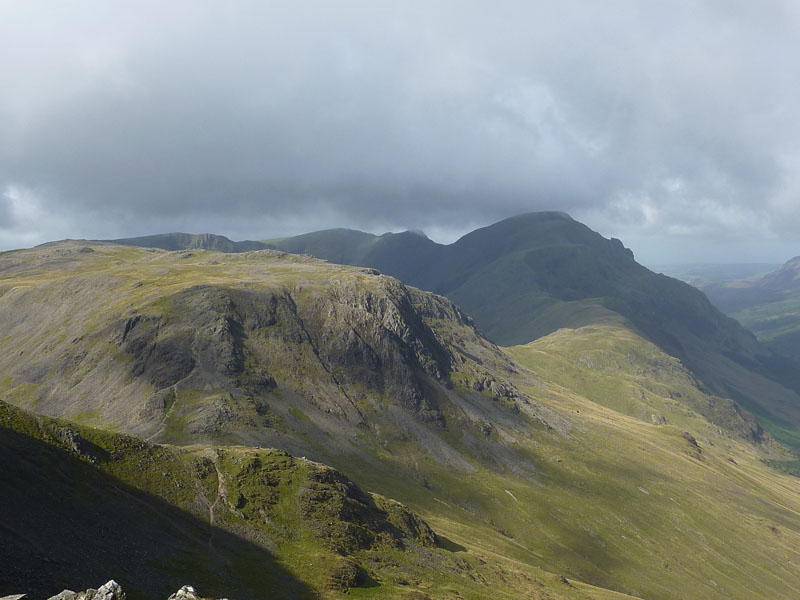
240, 341
301, 342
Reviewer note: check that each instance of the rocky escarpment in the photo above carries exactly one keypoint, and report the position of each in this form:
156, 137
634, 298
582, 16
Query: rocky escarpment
196, 346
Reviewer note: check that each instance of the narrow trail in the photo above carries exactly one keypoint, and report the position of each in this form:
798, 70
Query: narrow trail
163, 427
175, 397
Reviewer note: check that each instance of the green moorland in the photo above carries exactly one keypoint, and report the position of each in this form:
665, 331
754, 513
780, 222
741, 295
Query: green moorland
588, 454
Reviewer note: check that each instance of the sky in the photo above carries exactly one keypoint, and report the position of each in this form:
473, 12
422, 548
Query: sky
669, 124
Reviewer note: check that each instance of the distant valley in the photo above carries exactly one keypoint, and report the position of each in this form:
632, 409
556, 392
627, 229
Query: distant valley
767, 303
705, 275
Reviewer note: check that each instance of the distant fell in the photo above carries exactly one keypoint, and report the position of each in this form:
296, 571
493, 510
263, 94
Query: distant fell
705, 275
785, 279
189, 241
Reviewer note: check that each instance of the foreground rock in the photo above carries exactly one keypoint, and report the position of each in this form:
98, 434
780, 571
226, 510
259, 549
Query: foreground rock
187, 592
113, 591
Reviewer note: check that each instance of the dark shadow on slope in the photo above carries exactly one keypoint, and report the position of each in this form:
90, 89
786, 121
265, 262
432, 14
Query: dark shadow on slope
449, 545
65, 524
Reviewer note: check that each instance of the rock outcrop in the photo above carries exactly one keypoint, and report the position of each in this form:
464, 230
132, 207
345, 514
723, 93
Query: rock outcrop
110, 590
113, 591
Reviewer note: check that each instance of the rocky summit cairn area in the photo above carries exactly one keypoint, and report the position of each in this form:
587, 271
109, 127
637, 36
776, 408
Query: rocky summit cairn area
112, 591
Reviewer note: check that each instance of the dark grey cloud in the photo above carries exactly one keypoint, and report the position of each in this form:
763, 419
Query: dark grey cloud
650, 121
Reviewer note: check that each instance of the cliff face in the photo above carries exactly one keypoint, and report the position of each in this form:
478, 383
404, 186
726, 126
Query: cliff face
181, 346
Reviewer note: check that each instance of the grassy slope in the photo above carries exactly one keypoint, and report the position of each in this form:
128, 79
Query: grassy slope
710, 495
614, 499
577, 480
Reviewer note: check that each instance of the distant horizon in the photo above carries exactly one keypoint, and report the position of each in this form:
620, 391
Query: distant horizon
646, 249
446, 240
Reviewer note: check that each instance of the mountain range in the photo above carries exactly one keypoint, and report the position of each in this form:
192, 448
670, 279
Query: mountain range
261, 421
530, 275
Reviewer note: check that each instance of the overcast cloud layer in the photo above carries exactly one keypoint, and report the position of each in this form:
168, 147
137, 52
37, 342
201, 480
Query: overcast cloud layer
669, 124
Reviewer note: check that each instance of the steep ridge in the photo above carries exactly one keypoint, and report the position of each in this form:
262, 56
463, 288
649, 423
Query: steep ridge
528, 276
515, 458
253, 348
